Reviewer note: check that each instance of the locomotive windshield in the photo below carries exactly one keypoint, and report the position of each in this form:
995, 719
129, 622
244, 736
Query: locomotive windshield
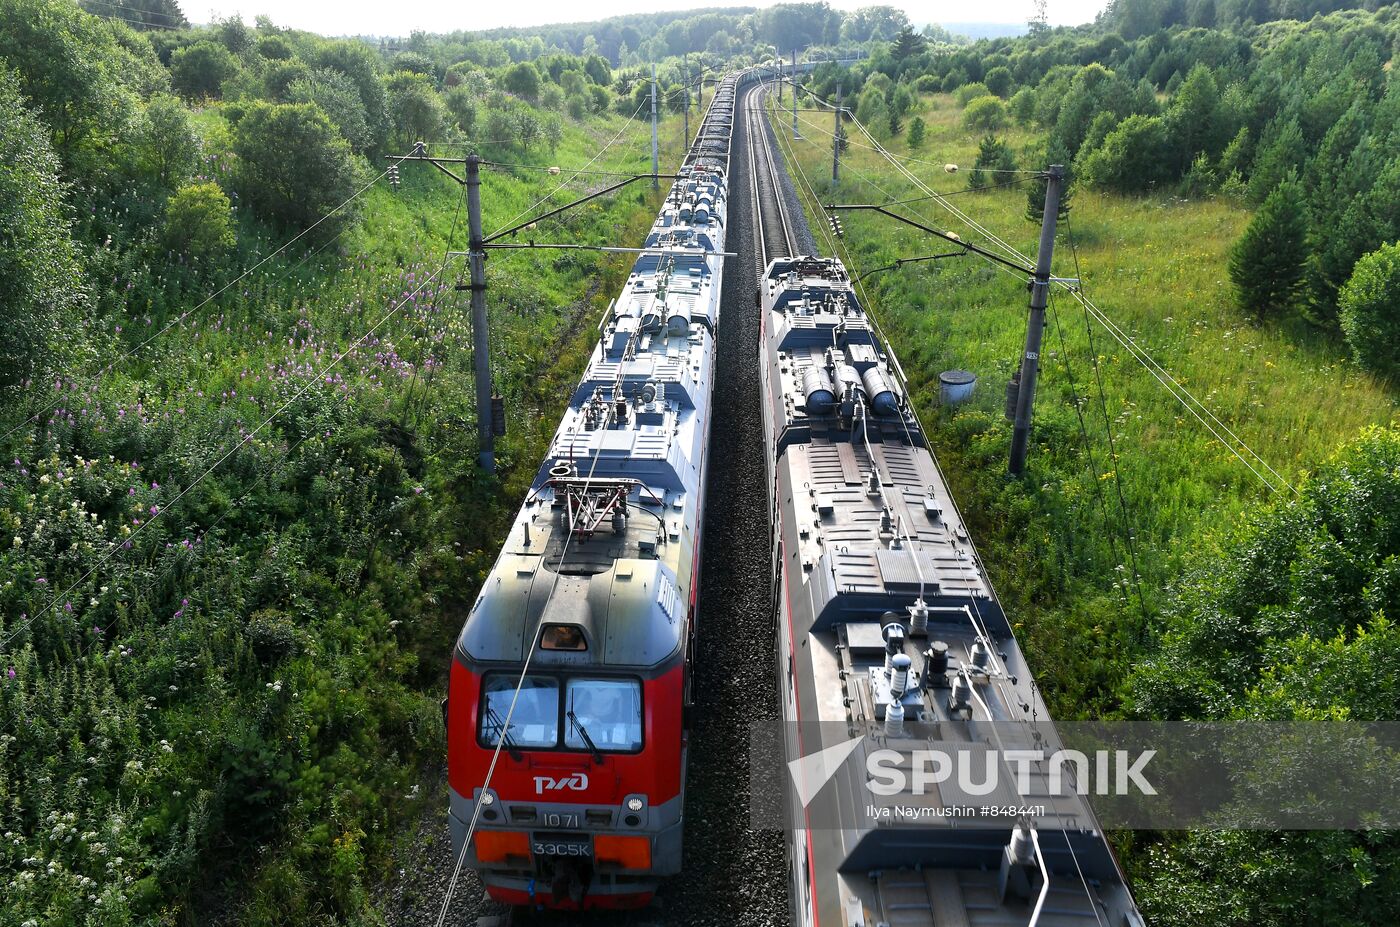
605, 711
535, 721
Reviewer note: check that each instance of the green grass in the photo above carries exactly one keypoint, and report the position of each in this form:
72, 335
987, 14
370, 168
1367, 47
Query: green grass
1155, 265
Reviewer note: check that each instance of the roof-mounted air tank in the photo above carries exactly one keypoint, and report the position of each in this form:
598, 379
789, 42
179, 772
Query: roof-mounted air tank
817, 387
848, 382
678, 322
880, 391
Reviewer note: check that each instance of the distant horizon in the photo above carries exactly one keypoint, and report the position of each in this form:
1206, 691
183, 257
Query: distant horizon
333, 18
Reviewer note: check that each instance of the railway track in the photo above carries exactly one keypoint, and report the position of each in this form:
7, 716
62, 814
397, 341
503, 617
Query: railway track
774, 232
734, 875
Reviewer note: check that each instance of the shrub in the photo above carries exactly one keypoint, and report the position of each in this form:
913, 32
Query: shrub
965, 93
293, 166
339, 98
199, 223
1369, 305
40, 284
985, 113
199, 70
998, 81
166, 140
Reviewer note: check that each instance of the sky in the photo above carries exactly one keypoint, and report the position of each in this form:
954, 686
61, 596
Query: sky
400, 17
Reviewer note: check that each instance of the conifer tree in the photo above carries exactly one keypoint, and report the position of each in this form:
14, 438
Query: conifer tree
906, 44
1268, 262
917, 131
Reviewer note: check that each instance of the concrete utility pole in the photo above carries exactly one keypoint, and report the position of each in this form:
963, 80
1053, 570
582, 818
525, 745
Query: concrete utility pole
836, 141
481, 338
685, 80
795, 133
1035, 324
655, 155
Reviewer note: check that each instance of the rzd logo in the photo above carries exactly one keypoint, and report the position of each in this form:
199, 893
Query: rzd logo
578, 782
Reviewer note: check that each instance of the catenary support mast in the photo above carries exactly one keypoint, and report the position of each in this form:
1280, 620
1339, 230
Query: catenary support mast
1035, 323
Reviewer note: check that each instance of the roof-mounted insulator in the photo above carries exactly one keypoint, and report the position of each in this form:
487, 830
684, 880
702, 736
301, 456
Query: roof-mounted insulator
918, 618
960, 699
899, 678
894, 720
893, 632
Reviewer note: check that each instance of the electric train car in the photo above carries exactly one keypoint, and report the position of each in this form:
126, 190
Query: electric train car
575, 657
891, 640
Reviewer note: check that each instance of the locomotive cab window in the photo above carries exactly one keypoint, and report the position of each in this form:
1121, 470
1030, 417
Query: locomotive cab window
601, 715
535, 721
607, 712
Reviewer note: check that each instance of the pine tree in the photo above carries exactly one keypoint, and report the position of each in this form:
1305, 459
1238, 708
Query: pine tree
894, 123
907, 44
1268, 262
917, 130
1280, 153
992, 155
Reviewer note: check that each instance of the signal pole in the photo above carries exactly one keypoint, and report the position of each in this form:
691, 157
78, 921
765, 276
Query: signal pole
655, 156
481, 339
1035, 324
794, 95
685, 80
836, 141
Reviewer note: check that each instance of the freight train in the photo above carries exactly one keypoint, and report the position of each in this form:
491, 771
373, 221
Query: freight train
891, 639
571, 677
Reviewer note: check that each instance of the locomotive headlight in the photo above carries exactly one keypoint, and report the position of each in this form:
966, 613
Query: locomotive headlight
634, 804
488, 799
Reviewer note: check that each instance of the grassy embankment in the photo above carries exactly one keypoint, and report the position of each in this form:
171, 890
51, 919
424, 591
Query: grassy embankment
1156, 265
